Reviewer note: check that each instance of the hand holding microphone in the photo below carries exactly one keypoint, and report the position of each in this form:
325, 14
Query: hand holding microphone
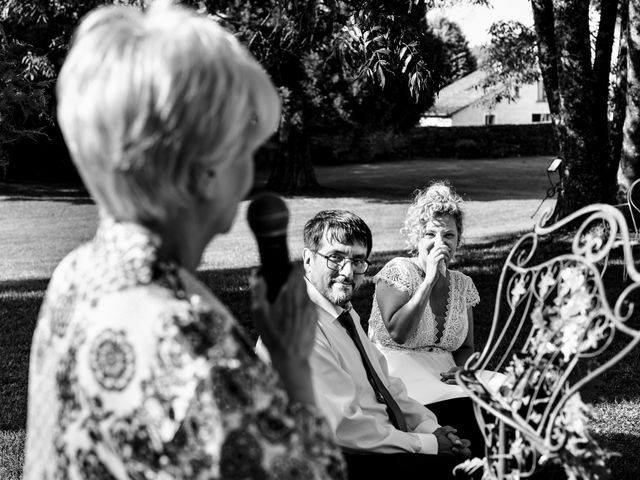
268, 218
283, 314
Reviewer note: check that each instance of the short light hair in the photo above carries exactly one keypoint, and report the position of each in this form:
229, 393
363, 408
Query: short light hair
337, 226
147, 100
437, 200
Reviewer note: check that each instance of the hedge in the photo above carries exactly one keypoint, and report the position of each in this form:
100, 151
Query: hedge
48, 160
494, 141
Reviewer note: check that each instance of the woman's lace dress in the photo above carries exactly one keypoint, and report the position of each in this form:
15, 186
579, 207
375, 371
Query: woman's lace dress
426, 353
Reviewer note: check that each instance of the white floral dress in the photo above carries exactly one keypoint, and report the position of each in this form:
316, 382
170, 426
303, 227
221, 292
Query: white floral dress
425, 354
138, 372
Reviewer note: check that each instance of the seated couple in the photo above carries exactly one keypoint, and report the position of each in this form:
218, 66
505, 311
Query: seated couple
380, 427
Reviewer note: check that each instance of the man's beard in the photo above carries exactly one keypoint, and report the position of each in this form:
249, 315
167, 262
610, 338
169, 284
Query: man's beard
339, 293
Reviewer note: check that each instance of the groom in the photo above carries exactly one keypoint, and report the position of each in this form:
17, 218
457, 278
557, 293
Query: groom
381, 430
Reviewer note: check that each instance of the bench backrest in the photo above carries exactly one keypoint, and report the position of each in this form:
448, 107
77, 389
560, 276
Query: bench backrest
631, 210
554, 330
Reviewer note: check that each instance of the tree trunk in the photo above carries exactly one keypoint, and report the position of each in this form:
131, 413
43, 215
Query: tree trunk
547, 53
583, 140
580, 122
619, 101
292, 172
630, 158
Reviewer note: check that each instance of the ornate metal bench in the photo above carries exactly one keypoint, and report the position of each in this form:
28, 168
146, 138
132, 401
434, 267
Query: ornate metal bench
631, 211
553, 331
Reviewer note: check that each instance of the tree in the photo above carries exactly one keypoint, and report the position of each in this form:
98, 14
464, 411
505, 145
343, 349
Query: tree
459, 61
24, 102
34, 35
629, 169
328, 58
511, 59
575, 67
337, 63
353, 65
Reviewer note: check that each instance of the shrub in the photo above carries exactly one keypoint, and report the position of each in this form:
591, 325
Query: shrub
466, 148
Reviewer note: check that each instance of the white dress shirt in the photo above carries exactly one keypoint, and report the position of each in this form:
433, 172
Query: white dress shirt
346, 398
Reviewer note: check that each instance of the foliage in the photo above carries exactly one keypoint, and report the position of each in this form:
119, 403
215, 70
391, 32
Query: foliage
359, 66
404, 68
34, 35
459, 60
511, 59
25, 79
331, 57
336, 62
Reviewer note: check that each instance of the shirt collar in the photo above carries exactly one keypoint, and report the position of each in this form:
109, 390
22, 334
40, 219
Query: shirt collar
321, 301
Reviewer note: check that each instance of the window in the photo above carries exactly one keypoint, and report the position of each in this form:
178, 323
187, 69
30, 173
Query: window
489, 119
542, 94
540, 118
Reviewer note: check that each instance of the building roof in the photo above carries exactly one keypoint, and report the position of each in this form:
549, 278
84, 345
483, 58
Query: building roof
462, 93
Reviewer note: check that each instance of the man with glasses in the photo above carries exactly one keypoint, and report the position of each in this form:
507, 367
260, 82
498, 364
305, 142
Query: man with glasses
381, 430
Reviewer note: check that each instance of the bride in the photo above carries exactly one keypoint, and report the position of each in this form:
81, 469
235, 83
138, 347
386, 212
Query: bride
422, 313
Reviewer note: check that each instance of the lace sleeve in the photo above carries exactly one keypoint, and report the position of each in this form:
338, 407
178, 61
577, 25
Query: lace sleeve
472, 295
397, 274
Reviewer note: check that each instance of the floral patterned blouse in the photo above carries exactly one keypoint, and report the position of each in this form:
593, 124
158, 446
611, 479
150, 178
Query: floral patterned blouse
138, 371
405, 275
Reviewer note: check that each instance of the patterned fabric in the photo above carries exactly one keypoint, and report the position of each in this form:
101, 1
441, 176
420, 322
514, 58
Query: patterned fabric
405, 275
138, 371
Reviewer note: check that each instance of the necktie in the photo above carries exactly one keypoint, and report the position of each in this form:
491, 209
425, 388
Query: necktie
382, 394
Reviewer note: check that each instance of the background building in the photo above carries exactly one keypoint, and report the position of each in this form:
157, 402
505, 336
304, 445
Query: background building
465, 103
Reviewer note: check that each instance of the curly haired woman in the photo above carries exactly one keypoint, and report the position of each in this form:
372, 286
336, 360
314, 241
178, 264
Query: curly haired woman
422, 313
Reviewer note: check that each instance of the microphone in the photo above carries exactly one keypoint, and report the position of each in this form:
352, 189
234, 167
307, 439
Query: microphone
268, 218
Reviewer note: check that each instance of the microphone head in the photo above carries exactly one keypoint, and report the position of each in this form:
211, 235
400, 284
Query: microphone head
268, 216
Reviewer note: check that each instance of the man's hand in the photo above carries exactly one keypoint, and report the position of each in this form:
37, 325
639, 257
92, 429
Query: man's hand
450, 376
450, 444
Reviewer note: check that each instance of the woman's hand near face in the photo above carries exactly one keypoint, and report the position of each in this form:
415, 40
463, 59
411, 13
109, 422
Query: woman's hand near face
439, 253
287, 328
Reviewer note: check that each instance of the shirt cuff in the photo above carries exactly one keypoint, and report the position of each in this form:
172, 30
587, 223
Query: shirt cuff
428, 443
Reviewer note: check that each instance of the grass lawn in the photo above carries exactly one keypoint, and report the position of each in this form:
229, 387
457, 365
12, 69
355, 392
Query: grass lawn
41, 225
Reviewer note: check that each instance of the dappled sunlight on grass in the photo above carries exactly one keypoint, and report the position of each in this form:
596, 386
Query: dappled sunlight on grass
11, 454
41, 226
616, 395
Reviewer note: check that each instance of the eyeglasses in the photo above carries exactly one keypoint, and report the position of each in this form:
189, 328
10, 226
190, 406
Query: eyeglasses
336, 261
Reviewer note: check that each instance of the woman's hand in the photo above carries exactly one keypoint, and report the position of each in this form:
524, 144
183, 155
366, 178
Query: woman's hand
287, 328
438, 255
449, 377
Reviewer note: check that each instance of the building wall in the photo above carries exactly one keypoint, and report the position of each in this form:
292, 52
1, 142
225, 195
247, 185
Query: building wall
436, 122
517, 112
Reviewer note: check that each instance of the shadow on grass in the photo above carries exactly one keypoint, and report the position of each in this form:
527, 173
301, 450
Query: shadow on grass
625, 464
394, 181
20, 302
20, 192
19, 305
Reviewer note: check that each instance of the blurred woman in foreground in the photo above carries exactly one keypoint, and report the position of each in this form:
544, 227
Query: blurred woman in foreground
137, 370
